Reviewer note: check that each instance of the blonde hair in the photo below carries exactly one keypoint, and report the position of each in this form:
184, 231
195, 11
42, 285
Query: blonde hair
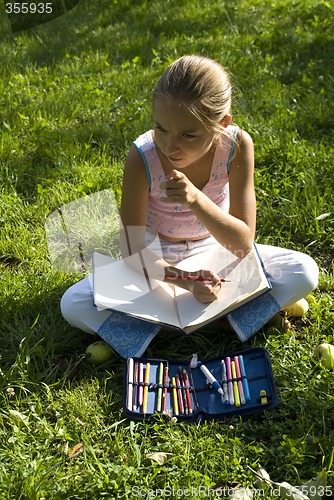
202, 85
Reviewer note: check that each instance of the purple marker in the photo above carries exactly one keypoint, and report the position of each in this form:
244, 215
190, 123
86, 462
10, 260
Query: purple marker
140, 384
229, 380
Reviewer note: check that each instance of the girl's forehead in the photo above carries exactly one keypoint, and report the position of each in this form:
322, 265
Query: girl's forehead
165, 105
166, 111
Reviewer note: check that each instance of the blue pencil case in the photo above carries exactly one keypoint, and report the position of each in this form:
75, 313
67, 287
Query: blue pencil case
237, 384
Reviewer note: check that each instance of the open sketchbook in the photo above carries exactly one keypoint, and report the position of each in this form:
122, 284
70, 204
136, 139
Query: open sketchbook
117, 286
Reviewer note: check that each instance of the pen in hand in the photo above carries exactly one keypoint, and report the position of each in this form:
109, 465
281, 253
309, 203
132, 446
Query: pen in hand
198, 278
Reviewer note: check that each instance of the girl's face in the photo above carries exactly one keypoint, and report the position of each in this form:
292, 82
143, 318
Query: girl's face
180, 136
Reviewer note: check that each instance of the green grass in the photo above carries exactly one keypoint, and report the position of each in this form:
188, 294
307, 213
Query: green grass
74, 93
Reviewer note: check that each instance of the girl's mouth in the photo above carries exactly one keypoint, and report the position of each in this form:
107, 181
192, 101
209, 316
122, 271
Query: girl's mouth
173, 159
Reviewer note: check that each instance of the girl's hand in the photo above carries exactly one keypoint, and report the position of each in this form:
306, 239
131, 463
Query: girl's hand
179, 189
204, 284
206, 291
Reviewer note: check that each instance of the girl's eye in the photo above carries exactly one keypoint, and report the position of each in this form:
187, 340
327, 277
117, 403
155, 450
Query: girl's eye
189, 136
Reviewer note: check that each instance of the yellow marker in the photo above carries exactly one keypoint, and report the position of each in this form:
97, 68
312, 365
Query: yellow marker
146, 382
263, 396
176, 406
235, 385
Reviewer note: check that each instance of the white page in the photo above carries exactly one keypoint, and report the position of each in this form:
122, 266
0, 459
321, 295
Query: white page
117, 286
116, 281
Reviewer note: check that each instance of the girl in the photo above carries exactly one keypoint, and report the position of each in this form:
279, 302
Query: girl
191, 182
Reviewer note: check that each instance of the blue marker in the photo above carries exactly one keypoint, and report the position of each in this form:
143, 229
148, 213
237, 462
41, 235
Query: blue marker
215, 384
244, 379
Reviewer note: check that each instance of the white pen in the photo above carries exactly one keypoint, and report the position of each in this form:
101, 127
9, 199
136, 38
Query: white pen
213, 381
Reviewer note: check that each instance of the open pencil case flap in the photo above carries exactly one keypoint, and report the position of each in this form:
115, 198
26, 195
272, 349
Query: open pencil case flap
254, 390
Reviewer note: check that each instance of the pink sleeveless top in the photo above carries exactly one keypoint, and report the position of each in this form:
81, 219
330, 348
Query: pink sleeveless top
176, 220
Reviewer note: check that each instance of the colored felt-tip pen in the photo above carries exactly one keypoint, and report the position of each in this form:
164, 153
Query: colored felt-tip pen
175, 403
244, 378
140, 384
165, 392
240, 386
130, 383
179, 394
160, 386
229, 380
224, 381
194, 278
186, 381
235, 385
146, 382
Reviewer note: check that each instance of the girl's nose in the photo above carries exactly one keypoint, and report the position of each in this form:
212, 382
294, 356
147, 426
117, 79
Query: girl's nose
171, 145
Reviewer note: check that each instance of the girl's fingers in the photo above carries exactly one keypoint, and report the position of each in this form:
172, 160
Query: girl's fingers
176, 174
172, 179
205, 292
211, 275
170, 184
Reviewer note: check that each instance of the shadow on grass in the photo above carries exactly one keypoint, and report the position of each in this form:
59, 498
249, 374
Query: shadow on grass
302, 43
126, 29
34, 336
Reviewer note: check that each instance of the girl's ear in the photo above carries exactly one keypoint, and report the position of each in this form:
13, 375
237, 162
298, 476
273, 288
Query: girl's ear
226, 120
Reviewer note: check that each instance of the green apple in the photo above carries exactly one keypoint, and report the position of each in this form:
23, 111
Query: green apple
297, 309
99, 352
279, 322
326, 352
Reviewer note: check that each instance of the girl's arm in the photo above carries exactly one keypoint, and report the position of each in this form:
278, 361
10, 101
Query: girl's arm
242, 192
135, 192
234, 230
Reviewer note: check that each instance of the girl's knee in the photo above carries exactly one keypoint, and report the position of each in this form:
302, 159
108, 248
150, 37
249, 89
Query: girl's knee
293, 275
69, 306
76, 302
291, 269
66, 304
310, 273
